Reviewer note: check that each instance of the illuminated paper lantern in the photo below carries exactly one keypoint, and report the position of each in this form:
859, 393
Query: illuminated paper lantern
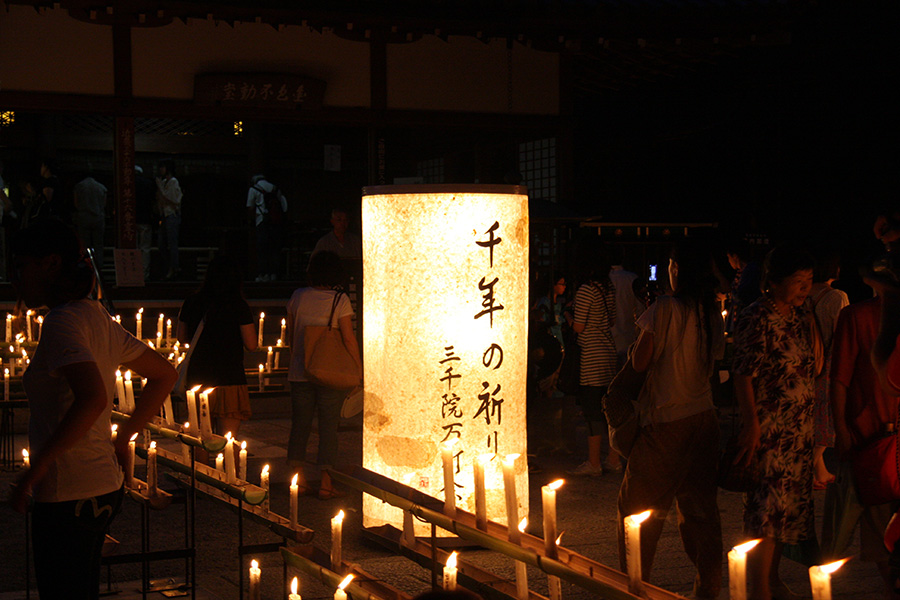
445, 314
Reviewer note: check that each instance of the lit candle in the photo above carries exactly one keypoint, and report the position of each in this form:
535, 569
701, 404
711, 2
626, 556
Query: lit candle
129, 475
129, 393
512, 505
118, 319
295, 499
450, 573
220, 462
449, 486
230, 475
633, 551
151, 468
480, 496
12, 362
339, 593
114, 432
337, 524
40, 322
294, 595
159, 338
26, 459
820, 579
283, 326
277, 354
737, 570
120, 390
262, 384
168, 332
185, 449
255, 574
548, 497
242, 462
139, 323
168, 414
28, 325
264, 484
192, 409
269, 360
205, 419
159, 326
6, 384
521, 571
176, 351
262, 320
9, 336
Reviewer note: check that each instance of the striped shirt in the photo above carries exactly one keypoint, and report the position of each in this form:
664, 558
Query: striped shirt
595, 307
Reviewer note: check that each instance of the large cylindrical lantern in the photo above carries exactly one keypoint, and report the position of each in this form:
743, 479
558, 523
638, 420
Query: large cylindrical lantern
445, 338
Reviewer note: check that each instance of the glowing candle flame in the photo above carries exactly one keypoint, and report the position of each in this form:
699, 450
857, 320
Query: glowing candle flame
339, 516
746, 546
243, 445
25, 453
153, 445
556, 484
254, 564
451, 560
118, 373
832, 567
559, 538
262, 315
133, 437
347, 581
187, 426
265, 469
294, 585
295, 479
114, 427
228, 436
128, 375
523, 524
511, 458
209, 391
640, 517
196, 388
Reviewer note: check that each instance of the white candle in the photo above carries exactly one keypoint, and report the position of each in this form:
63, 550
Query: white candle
192, 410
820, 579
277, 354
139, 323
185, 449
176, 351
220, 462
129, 475
151, 468
159, 338
449, 486
262, 320
262, 384
129, 393
40, 322
295, 499
28, 325
255, 574
205, 418
269, 359
521, 571
480, 495
6, 384
12, 363
264, 484
230, 475
512, 505
548, 502
737, 570
337, 524
26, 459
294, 595
120, 390
242, 462
339, 593
168, 332
168, 414
283, 326
159, 325
633, 551
113, 433
450, 573
9, 319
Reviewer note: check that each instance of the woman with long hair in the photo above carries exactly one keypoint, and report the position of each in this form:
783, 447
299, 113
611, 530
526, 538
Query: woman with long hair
217, 358
75, 474
675, 456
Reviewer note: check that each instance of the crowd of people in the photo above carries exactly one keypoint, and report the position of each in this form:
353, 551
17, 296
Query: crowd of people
800, 358
809, 372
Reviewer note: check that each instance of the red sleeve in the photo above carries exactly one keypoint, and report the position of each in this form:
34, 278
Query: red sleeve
845, 348
893, 366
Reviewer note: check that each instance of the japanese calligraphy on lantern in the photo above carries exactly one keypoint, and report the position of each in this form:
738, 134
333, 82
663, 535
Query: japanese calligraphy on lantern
263, 90
445, 336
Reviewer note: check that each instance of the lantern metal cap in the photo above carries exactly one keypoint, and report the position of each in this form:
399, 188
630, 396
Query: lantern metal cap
444, 188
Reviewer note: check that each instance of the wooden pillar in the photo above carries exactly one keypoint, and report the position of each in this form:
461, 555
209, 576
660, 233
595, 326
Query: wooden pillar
126, 223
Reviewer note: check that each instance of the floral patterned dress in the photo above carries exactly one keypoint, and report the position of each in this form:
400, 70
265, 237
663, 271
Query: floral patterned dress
776, 351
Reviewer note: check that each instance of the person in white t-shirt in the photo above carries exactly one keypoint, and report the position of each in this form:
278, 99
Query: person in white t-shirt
676, 453
313, 306
75, 475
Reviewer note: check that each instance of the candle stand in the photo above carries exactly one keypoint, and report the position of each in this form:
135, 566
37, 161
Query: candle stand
363, 587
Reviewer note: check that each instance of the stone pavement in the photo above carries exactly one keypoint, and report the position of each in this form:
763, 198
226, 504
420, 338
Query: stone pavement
586, 509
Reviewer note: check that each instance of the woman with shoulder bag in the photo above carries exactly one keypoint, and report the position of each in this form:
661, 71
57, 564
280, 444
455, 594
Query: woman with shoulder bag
314, 306
675, 455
